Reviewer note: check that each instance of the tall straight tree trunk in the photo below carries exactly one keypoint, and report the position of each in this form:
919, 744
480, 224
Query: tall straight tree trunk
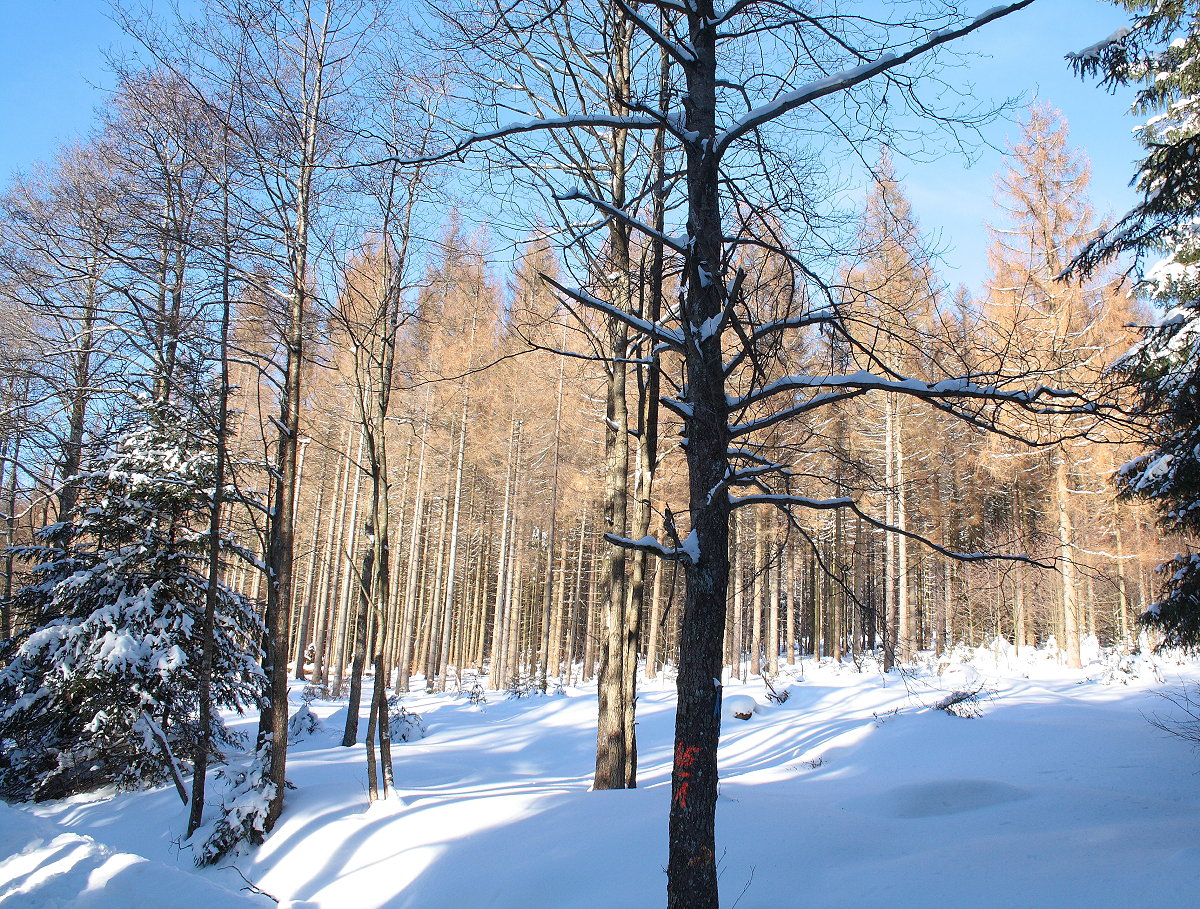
791, 556
304, 631
907, 615
655, 621
591, 623
759, 592
207, 631
434, 635
614, 747
775, 565
359, 658
692, 860
548, 585
1070, 604
448, 605
501, 600
889, 612
10, 535
555, 646
576, 595
407, 624
347, 598
1122, 589
736, 544
72, 449
333, 532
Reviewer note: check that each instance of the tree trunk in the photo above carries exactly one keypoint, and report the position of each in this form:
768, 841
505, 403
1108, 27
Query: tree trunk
304, 632
1070, 605
691, 865
207, 631
359, 659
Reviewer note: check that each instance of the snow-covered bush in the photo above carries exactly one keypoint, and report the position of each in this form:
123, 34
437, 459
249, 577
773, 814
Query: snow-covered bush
302, 724
524, 686
245, 798
114, 618
403, 724
472, 689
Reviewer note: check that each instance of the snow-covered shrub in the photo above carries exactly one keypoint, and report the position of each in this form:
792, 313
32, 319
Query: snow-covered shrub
115, 613
403, 724
302, 724
245, 798
964, 703
312, 693
776, 695
472, 689
1121, 668
524, 686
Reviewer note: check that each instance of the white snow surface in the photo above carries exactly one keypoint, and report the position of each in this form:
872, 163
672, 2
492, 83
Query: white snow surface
853, 792
45, 866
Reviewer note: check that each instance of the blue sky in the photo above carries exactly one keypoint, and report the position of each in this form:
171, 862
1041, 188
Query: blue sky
53, 74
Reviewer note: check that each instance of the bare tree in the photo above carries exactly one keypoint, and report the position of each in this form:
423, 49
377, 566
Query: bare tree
838, 67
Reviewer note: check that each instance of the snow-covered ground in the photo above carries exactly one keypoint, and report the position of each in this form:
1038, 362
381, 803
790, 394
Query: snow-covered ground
855, 792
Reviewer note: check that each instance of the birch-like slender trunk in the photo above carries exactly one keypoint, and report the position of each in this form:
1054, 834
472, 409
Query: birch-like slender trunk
304, 631
407, 624
1070, 603
207, 631
346, 552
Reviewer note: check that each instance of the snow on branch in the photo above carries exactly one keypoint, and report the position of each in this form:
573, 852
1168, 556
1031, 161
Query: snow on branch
577, 121
578, 195
1041, 399
668, 336
785, 502
680, 54
788, 413
814, 403
683, 553
1092, 53
849, 78
824, 315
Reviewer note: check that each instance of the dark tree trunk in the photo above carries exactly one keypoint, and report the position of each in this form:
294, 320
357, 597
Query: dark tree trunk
204, 695
692, 866
358, 661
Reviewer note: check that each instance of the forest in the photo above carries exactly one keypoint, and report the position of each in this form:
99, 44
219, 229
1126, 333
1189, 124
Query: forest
372, 353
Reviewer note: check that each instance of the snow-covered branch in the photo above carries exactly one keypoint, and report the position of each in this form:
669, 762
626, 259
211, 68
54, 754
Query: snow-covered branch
621, 215
654, 547
680, 54
825, 315
578, 121
849, 78
660, 333
785, 502
1041, 399
789, 413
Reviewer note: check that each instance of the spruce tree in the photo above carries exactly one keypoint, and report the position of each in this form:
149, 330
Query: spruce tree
1160, 52
101, 685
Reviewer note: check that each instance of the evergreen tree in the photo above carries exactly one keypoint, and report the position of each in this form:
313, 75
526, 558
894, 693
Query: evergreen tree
1160, 51
102, 685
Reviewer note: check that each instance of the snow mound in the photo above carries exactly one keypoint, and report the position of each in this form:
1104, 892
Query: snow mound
739, 706
303, 724
962, 677
940, 797
42, 867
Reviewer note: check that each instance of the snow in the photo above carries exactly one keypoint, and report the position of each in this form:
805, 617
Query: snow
43, 865
855, 791
1093, 52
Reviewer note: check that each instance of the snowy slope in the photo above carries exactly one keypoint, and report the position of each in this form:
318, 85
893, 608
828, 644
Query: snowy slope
42, 865
854, 792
